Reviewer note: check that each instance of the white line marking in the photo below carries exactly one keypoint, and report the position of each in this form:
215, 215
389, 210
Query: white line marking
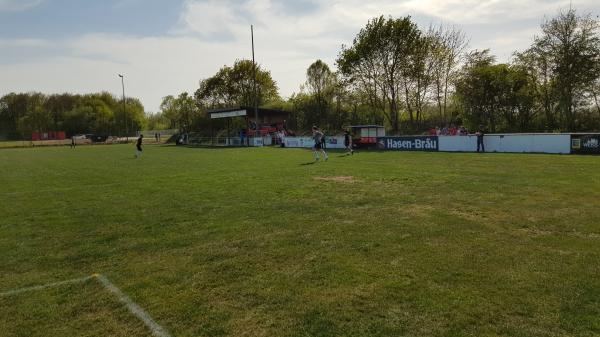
45, 286
135, 309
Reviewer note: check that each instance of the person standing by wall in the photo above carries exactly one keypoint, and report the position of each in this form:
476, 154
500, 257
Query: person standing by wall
480, 134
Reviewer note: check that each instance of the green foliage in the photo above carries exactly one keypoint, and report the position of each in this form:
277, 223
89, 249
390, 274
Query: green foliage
184, 113
101, 113
384, 56
234, 86
498, 96
157, 121
570, 45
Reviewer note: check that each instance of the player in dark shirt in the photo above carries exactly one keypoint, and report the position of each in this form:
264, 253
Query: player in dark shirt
138, 145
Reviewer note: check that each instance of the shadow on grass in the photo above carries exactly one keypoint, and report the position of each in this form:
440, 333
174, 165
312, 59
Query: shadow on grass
309, 163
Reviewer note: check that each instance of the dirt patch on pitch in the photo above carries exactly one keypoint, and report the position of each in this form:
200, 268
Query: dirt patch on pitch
339, 179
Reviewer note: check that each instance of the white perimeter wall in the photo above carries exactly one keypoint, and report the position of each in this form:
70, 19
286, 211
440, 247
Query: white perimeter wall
534, 143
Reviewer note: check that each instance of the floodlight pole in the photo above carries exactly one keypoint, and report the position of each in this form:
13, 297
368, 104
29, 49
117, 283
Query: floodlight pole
254, 82
124, 109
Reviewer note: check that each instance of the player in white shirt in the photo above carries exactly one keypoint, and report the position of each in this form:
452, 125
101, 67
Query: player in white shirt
318, 137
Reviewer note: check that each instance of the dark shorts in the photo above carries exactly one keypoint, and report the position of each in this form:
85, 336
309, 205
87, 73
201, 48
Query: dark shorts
139, 148
317, 146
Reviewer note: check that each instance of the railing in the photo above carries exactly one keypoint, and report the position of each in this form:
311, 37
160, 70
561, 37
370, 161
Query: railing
226, 141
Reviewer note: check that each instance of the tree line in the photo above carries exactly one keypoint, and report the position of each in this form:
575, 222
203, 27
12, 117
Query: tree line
101, 113
410, 79
394, 73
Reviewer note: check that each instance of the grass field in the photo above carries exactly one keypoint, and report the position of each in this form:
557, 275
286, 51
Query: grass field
257, 242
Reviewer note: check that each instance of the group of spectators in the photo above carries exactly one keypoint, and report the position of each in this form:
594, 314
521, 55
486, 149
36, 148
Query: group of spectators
448, 131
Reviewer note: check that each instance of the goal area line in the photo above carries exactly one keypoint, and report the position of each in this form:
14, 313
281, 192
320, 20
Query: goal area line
133, 307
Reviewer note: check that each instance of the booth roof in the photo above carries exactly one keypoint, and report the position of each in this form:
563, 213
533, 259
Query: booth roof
250, 111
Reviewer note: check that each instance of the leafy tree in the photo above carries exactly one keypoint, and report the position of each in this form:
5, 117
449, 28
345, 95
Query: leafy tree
157, 121
379, 64
182, 112
57, 105
12, 108
169, 111
498, 96
319, 81
90, 115
234, 86
36, 117
570, 45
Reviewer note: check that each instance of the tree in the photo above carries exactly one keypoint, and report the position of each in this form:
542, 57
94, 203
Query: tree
319, 82
90, 115
12, 108
447, 48
390, 63
417, 76
537, 66
169, 111
571, 46
234, 86
157, 121
595, 91
57, 105
499, 96
36, 117
182, 112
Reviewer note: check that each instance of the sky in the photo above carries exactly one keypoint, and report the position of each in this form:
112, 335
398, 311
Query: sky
166, 47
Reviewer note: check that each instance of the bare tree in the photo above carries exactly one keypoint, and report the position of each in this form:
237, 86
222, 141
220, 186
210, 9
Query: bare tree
448, 45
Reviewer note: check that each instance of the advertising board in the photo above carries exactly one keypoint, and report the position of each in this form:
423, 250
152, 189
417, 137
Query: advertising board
417, 143
585, 144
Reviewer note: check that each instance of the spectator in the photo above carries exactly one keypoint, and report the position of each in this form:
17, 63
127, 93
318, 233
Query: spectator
453, 130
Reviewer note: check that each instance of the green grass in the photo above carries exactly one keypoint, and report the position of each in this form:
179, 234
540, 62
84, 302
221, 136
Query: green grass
247, 242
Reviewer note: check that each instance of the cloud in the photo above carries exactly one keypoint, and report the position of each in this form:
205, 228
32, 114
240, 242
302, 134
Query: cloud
154, 67
18, 5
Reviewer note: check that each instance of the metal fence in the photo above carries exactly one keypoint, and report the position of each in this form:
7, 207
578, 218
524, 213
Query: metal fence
225, 141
